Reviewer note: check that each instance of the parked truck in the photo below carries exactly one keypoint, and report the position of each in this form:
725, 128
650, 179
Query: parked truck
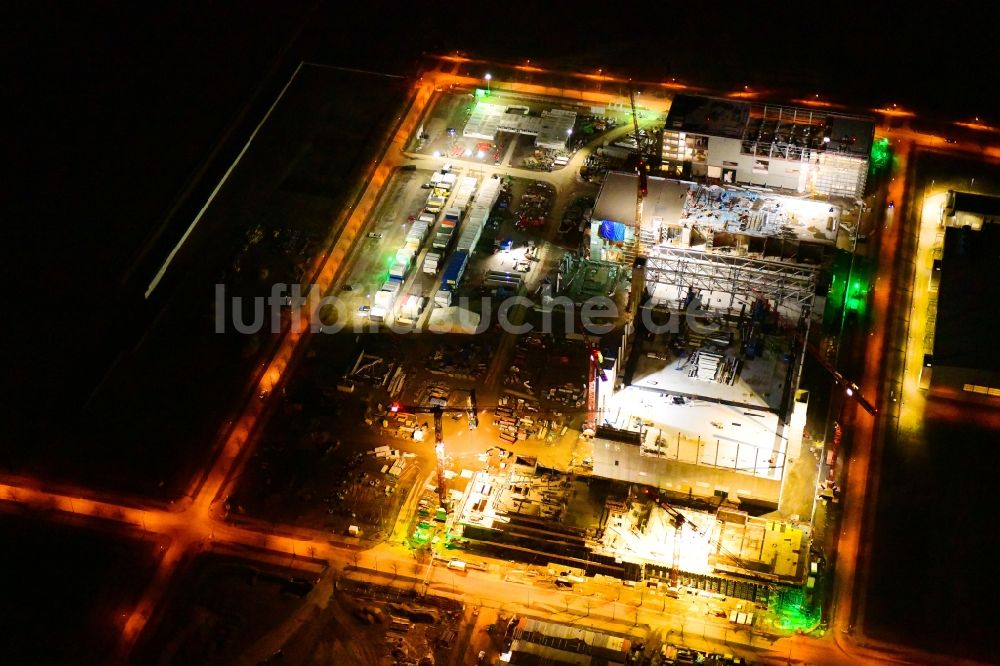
454, 270
399, 269
434, 204
442, 298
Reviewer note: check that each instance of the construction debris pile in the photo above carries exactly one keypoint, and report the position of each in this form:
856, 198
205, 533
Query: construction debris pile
569, 394
518, 419
461, 361
394, 464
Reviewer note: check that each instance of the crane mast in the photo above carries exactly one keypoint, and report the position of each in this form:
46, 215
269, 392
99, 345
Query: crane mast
471, 409
642, 189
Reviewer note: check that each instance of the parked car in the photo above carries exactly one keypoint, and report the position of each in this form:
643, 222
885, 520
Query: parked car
375, 235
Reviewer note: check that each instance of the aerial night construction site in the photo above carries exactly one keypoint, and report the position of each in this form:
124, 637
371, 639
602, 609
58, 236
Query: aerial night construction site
504, 362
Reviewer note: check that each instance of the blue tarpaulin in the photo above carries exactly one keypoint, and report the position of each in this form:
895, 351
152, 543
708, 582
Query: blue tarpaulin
611, 230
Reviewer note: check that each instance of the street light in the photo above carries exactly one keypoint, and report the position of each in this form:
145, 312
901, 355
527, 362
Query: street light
488, 77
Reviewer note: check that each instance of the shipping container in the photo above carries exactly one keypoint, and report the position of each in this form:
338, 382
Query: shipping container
432, 263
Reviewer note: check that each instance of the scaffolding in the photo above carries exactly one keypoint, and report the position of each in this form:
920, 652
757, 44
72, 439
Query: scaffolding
839, 175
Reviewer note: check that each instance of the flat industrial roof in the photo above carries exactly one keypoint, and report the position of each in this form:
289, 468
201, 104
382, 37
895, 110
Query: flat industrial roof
756, 121
616, 200
699, 444
708, 115
551, 129
969, 202
967, 314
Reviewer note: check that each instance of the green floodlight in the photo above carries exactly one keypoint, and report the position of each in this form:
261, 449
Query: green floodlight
880, 155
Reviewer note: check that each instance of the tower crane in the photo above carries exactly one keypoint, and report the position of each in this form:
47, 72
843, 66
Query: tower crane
678, 520
438, 407
642, 189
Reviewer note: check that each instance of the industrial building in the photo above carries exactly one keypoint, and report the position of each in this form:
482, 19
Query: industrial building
735, 142
706, 404
536, 642
551, 129
969, 209
965, 362
725, 541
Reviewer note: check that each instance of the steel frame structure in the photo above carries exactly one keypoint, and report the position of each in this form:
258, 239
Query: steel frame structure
782, 284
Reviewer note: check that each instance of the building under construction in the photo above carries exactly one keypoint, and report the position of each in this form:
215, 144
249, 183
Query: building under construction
805, 150
628, 532
724, 278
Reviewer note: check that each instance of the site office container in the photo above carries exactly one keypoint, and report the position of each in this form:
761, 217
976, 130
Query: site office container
431, 262
401, 262
443, 298
383, 300
426, 218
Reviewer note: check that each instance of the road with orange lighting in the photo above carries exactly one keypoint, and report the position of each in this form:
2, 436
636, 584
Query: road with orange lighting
198, 523
861, 467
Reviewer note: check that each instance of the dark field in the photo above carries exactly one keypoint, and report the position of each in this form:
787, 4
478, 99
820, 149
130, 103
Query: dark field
154, 417
65, 590
932, 581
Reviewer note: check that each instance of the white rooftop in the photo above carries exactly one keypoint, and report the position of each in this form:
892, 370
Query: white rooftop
551, 129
